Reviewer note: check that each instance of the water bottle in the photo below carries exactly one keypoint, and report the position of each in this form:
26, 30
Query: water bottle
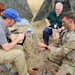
29, 32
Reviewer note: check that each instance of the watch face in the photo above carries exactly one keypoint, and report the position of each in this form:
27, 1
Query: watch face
46, 47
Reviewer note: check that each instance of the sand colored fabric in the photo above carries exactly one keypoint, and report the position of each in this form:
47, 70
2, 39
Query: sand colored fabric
55, 34
17, 59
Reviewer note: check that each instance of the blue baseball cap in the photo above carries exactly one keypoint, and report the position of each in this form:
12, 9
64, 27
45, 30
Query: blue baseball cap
12, 14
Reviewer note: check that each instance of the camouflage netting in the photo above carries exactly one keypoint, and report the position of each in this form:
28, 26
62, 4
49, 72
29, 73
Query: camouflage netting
33, 56
21, 6
36, 58
69, 5
44, 9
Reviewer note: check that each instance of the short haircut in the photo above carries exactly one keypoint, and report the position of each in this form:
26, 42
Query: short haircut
69, 15
59, 4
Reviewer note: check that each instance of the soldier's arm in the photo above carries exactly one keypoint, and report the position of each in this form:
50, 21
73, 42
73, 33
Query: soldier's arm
67, 47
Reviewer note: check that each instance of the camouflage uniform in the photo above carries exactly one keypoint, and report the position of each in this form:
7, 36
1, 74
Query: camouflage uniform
65, 53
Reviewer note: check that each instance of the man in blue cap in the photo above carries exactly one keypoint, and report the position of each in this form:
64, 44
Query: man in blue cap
10, 52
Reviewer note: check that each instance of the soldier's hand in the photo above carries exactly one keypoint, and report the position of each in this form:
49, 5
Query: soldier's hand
42, 45
59, 30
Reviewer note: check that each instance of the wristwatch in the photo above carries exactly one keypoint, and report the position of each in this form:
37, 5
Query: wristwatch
46, 47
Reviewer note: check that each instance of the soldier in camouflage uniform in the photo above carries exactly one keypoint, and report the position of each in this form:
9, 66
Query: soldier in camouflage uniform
65, 50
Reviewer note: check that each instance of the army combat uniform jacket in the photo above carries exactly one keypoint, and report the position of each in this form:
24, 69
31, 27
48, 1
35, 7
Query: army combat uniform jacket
65, 48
